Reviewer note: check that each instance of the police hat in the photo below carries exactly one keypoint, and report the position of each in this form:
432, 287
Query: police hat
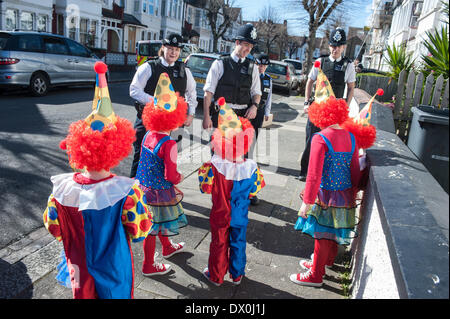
247, 33
262, 58
337, 37
174, 40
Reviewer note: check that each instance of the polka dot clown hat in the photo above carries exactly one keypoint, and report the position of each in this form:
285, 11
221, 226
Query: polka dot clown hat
102, 114
229, 123
165, 97
323, 86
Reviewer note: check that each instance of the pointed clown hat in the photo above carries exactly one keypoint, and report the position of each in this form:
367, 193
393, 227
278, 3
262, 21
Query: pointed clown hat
326, 110
167, 110
233, 136
323, 87
364, 132
102, 114
102, 139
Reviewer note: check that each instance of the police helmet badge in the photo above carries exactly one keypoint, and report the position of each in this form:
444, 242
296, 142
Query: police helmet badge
253, 34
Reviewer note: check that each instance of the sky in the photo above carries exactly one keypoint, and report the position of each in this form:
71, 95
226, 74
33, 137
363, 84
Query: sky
251, 11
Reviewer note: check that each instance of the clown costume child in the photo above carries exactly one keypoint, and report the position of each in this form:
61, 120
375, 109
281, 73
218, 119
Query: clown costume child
231, 180
157, 174
94, 213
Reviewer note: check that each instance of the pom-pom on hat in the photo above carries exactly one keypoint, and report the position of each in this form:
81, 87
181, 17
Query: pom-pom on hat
102, 139
167, 111
233, 136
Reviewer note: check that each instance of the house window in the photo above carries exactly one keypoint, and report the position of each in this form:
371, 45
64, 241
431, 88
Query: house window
151, 9
42, 23
197, 18
136, 5
83, 31
26, 21
11, 19
156, 7
144, 6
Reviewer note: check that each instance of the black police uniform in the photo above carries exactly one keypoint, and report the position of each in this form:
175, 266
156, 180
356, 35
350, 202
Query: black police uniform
178, 78
236, 81
265, 89
335, 72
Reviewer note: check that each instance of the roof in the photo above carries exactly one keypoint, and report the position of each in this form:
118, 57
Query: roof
126, 19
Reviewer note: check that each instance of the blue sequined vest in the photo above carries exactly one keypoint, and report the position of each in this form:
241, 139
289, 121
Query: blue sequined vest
336, 167
150, 171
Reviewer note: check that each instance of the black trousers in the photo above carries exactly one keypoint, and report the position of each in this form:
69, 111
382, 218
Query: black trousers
310, 130
140, 133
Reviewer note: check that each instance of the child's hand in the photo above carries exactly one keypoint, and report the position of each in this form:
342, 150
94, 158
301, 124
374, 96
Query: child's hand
304, 209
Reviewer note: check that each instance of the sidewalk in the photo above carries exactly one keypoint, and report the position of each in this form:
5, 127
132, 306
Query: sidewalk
274, 248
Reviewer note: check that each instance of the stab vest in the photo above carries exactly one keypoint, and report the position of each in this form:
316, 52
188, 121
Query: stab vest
335, 72
265, 87
177, 75
235, 83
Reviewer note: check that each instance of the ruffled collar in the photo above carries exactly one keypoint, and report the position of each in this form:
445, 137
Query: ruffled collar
86, 195
232, 170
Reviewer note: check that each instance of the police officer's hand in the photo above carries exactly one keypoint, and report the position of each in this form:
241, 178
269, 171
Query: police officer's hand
251, 112
189, 119
266, 118
207, 123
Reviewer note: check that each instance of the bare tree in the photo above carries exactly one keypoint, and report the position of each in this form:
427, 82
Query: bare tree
317, 12
294, 43
220, 15
267, 27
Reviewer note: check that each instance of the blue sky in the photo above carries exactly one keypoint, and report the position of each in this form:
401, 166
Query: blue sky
251, 10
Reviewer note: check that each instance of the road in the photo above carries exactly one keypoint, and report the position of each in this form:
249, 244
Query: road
30, 132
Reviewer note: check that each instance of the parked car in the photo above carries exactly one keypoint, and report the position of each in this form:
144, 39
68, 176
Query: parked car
298, 68
283, 75
199, 64
188, 48
40, 60
147, 50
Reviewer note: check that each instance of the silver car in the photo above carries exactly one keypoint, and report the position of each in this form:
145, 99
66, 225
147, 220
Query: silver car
283, 75
40, 60
199, 64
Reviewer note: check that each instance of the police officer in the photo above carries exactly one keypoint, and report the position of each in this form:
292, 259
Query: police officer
340, 71
144, 82
235, 78
262, 61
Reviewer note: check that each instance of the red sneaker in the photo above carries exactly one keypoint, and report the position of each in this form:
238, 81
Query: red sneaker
306, 264
156, 269
173, 249
237, 281
306, 279
206, 274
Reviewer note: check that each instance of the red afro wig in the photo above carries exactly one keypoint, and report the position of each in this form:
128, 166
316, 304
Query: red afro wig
329, 112
158, 120
95, 150
238, 146
365, 135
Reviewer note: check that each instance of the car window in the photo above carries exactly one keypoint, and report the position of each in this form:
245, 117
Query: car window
55, 46
77, 49
149, 49
276, 69
199, 63
4, 40
26, 42
296, 65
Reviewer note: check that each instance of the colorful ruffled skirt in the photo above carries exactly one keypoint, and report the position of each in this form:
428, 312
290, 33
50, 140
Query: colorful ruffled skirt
332, 217
168, 214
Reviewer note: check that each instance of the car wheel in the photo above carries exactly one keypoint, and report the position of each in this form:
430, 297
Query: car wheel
39, 84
